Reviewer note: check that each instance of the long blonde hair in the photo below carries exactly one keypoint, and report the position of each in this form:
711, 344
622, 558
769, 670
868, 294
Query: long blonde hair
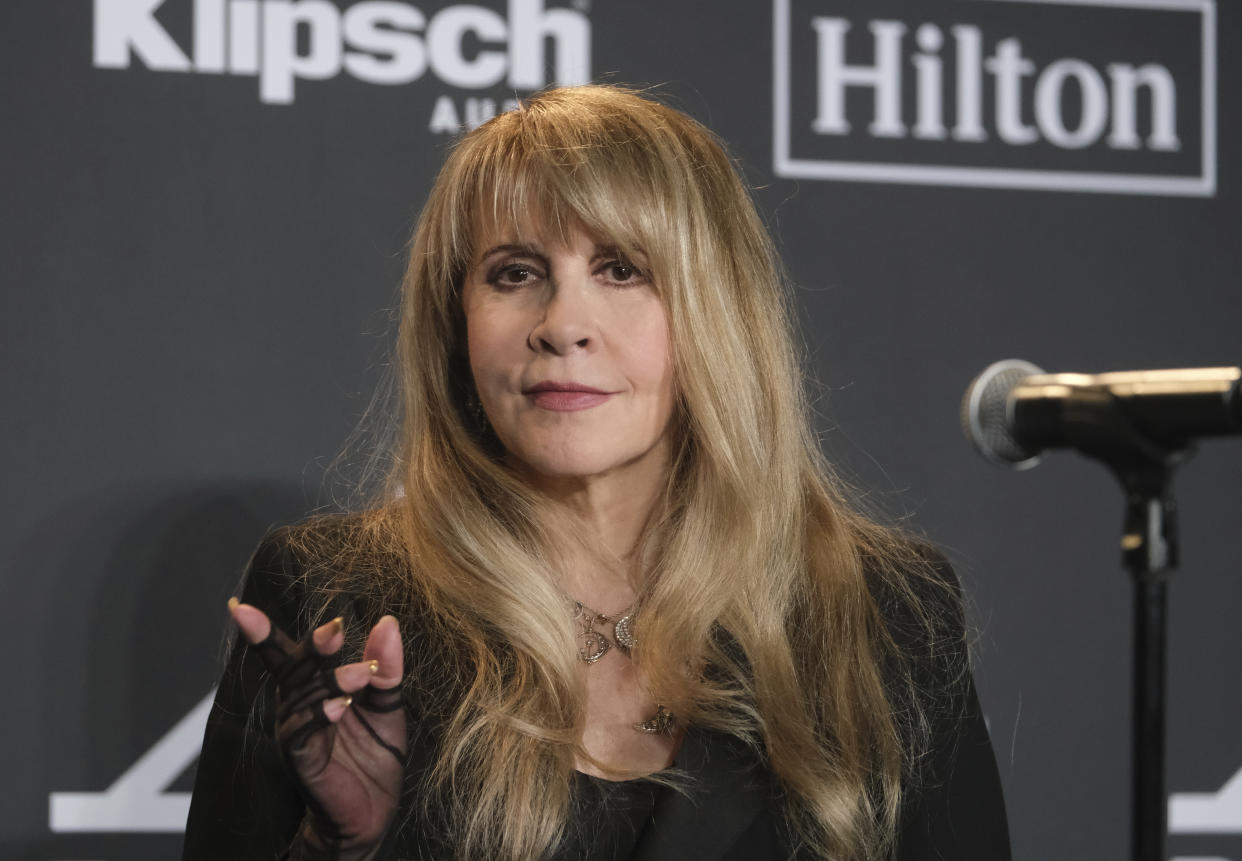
755, 563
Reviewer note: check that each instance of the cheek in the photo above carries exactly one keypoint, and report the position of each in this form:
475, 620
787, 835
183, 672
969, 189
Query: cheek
477, 347
489, 344
652, 353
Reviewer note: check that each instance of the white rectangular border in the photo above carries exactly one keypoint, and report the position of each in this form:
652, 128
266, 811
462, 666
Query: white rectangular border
1203, 185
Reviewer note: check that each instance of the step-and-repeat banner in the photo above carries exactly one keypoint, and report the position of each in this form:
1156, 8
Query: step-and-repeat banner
205, 210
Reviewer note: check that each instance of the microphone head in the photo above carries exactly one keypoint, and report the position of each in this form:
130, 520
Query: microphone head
985, 414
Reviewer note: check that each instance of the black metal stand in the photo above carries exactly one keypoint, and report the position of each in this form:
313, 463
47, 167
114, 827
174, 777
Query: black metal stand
1149, 550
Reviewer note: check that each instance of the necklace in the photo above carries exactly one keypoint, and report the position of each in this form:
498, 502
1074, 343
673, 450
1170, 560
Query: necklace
593, 645
659, 723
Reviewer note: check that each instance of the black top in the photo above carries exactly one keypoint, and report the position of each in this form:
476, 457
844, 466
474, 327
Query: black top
608, 819
245, 808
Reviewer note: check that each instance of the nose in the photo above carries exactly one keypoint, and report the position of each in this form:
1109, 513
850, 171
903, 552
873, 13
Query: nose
566, 323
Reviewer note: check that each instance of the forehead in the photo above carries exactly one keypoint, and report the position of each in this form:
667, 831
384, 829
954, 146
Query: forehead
527, 228
543, 232
550, 205
536, 235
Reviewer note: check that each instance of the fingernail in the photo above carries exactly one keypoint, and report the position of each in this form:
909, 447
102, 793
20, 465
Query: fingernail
233, 602
337, 624
347, 701
374, 666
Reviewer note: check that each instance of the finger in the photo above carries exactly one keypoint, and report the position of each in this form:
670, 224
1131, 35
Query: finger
306, 737
279, 653
384, 646
354, 677
251, 621
329, 638
335, 708
383, 694
313, 715
296, 727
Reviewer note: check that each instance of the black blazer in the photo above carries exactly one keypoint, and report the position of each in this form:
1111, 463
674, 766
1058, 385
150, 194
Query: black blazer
245, 807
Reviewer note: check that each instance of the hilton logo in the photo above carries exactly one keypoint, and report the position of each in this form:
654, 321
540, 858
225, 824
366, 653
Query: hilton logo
1070, 95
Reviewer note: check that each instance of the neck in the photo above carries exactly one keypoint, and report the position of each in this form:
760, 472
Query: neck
596, 523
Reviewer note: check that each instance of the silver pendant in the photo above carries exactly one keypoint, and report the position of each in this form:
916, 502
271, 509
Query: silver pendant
624, 632
661, 722
593, 646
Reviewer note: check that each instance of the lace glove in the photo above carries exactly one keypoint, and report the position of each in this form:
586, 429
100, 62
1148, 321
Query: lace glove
341, 732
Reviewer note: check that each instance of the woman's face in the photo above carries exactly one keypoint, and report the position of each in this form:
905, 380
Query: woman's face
569, 348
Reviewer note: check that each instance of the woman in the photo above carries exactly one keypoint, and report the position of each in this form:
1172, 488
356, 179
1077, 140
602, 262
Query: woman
611, 602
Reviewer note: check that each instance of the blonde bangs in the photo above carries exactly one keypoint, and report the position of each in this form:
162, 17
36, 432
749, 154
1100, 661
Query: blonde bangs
555, 164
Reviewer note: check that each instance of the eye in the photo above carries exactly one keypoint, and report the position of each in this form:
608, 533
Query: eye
622, 272
512, 275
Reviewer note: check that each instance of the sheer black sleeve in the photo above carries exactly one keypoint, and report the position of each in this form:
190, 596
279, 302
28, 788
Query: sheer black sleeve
244, 806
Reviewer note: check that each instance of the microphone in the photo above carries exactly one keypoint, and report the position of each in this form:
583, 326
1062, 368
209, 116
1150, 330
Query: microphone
1013, 410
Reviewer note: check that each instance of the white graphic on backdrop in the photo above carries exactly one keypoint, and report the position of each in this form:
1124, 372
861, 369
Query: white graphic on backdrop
377, 42
1208, 812
137, 800
957, 62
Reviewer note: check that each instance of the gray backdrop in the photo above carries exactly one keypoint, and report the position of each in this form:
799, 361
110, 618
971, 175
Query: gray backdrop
205, 211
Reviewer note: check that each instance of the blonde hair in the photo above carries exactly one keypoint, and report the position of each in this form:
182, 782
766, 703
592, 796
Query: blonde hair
754, 560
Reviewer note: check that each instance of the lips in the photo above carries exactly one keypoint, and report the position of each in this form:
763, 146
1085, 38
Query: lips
565, 396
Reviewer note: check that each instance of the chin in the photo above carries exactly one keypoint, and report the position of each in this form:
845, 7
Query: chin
563, 462
568, 467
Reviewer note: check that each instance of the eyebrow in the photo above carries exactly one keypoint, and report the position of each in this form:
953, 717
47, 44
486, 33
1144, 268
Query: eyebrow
601, 252
509, 248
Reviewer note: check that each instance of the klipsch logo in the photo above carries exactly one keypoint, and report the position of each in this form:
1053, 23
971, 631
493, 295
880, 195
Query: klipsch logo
281, 42
1074, 95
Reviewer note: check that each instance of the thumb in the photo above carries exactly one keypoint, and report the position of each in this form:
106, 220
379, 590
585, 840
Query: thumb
384, 646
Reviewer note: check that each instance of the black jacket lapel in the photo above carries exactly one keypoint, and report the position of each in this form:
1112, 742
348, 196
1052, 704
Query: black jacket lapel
728, 789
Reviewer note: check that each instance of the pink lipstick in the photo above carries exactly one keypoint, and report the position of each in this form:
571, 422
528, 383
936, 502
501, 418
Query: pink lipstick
565, 397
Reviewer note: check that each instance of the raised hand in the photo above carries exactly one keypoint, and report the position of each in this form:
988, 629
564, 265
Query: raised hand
341, 732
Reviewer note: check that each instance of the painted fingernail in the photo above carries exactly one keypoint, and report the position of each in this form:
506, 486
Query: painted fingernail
233, 602
337, 624
374, 666
347, 701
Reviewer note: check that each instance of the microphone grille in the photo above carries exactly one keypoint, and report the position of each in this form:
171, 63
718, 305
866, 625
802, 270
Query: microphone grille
985, 419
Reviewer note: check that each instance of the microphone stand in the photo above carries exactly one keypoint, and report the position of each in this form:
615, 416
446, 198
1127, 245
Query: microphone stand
1149, 550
